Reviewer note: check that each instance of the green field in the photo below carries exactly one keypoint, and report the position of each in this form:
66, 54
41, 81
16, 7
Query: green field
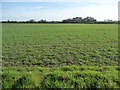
50, 46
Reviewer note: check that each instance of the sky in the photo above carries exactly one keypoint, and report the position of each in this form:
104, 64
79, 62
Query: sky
59, 10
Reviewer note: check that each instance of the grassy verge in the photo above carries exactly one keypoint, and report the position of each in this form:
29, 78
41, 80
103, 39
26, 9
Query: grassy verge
61, 77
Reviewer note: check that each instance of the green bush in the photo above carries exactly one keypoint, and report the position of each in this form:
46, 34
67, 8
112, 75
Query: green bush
61, 77
24, 82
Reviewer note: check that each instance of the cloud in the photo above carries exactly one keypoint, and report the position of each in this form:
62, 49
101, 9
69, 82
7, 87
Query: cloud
97, 1
62, 10
98, 12
29, 9
40, 7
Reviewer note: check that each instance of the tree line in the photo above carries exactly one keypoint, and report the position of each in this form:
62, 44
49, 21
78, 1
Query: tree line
87, 20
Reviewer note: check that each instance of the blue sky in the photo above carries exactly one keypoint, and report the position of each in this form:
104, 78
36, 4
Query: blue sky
59, 10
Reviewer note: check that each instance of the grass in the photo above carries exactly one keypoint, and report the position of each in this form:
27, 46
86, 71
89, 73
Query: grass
52, 45
61, 77
60, 56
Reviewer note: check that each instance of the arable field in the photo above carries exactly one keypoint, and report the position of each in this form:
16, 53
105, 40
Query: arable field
51, 47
